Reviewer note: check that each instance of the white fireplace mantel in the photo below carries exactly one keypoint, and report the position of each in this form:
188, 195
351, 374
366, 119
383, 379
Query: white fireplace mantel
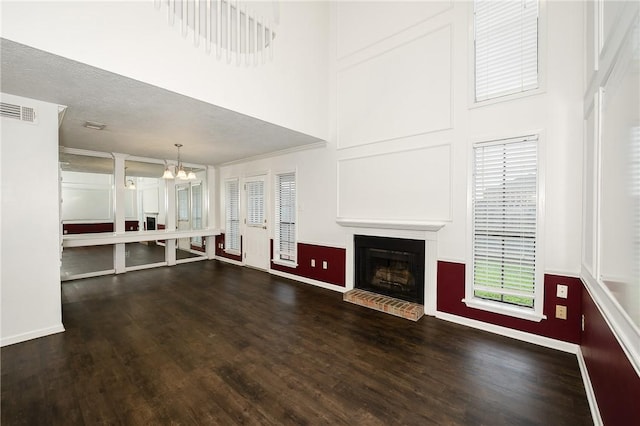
408, 225
413, 229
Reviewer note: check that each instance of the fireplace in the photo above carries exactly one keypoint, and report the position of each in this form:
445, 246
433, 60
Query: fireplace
390, 266
150, 223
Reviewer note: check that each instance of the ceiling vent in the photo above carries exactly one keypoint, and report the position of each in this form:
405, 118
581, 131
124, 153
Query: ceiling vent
17, 112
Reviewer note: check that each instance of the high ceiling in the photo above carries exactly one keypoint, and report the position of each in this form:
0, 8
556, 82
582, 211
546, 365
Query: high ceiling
141, 119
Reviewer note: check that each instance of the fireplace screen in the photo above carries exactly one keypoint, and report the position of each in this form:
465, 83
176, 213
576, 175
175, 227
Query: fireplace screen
390, 266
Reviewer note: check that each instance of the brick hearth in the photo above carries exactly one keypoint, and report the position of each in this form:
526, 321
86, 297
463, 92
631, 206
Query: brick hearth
397, 307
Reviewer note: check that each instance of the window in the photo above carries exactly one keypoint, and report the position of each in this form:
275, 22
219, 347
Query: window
232, 224
506, 47
182, 200
505, 244
196, 211
286, 217
255, 203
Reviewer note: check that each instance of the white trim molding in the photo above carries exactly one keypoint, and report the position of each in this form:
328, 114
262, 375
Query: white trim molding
547, 342
588, 388
621, 326
310, 281
18, 338
408, 225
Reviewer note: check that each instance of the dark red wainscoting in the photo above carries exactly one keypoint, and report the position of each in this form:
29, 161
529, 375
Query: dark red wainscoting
335, 258
94, 228
451, 284
615, 383
220, 249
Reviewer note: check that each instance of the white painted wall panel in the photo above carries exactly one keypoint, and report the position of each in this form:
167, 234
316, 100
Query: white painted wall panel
401, 92
30, 227
87, 204
361, 24
409, 185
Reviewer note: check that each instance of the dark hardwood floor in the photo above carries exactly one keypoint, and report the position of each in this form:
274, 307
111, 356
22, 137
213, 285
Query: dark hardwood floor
213, 343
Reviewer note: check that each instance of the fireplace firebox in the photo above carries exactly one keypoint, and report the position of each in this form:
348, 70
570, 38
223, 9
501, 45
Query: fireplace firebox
390, 266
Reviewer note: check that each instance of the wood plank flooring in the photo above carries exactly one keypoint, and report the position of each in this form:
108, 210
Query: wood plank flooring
213, 343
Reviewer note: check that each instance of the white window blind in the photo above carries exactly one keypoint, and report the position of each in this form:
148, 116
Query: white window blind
255, 203
286, 216
506, 47
196, 211
505, 220
232, 224
183, 204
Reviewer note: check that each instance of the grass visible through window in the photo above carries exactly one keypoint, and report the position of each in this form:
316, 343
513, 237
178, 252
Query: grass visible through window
504, 278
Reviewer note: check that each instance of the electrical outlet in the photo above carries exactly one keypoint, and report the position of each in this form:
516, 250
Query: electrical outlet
325, 265
313, 263
561, 312
562, 291
582, 322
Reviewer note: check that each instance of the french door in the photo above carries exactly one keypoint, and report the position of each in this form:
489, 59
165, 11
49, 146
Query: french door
256, 241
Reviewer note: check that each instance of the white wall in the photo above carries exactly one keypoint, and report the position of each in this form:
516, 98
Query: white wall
316, 191
401, 118
133, 39
611, 242
87, 197
30, 227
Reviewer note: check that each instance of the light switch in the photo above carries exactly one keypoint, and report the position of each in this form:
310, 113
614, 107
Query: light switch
313, 263
324, 264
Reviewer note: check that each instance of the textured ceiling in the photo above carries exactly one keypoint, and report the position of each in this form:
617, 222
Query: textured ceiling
141, 119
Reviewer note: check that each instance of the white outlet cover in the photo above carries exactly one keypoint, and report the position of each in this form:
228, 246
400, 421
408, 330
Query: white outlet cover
562, 291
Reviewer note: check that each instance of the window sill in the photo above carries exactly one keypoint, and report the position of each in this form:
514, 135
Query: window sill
502, 309
232, 252
473, 104
286, 263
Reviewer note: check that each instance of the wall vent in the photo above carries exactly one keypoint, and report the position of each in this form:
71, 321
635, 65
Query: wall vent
17, 112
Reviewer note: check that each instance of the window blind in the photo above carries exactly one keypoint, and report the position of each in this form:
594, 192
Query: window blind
506, 47
286, 212
255, 203
505, 220
183, 204
232, 237
196, 211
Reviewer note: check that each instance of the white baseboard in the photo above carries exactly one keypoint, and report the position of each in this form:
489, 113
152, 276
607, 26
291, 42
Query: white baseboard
23, 337
547, 342
591, 396
308, 281
231, 261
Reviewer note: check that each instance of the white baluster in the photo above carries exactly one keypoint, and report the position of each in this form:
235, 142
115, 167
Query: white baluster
207, 22
219, 29
196, 23
238, 41
185, 4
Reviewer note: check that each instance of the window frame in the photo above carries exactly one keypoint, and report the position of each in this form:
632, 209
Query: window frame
232, 250
537, 312
542, 61
276, 237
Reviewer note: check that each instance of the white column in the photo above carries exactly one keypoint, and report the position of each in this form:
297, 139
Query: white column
119, 255
212, 208
170, 220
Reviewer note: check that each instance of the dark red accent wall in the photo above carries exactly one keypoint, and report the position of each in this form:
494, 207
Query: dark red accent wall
220, 249
451, 286
335, 258
94, 228
615, 382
